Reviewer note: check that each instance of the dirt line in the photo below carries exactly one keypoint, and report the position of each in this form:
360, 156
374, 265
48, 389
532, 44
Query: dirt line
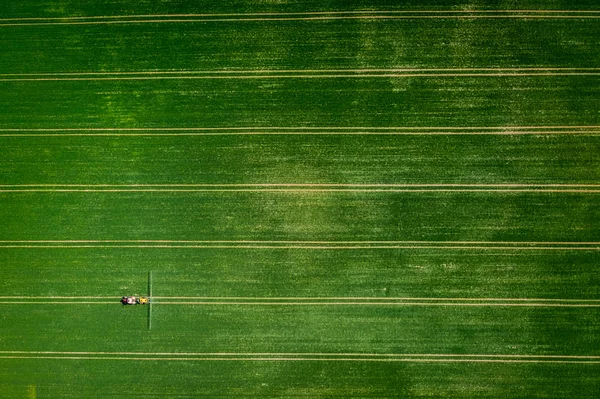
441, 304
304, 128
321, 301
306, 133
56, 303
189, 19
285, 128
232, 303
307, 354
379, 299
305, 245
312, 242
57, 297
304, 76
302, 190
299, 71
312, 247
285, 185
304, 185
353, 12
237, 298
299, 188
304, 359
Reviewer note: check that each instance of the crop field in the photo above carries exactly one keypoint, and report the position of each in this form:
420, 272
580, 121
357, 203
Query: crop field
323, 199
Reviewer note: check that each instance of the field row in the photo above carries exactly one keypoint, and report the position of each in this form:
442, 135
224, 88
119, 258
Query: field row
72, 8
312, 216
416, 101
302, 161
76, 378
351, 329
300, 273
450, 40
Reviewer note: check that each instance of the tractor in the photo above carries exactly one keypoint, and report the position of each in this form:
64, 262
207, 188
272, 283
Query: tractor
135, 300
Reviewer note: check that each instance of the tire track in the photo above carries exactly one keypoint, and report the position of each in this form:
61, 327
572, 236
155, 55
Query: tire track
301, 74
305, 357
300, 130
301, 16
299, 188
334, 245
310, 301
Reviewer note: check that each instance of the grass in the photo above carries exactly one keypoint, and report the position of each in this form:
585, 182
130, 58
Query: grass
109, 349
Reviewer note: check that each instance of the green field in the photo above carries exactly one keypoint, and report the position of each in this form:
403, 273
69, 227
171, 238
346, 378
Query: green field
335, 199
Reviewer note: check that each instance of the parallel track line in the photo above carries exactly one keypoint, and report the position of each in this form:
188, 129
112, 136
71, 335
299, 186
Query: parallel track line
318, 76
298, 359
306, 128
277, 304
373, 17
56, 303
298, 71
313, 242
440, 304
306, 354
384, 299
264, 14
462, 299
191, 133
301, 190
301, 247
304, 185
285, 128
